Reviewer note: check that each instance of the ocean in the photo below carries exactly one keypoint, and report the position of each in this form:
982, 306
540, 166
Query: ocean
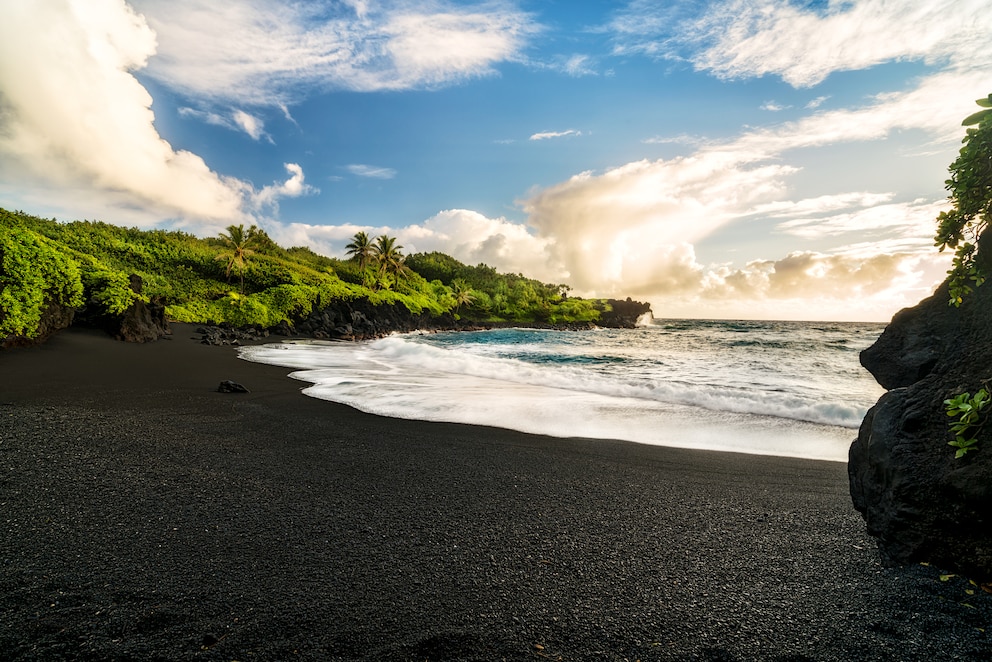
772, 388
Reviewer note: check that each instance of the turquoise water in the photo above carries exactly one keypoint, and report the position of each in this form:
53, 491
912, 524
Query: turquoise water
781, 388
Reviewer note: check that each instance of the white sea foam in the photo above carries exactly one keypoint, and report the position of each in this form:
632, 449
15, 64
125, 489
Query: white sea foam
567, 389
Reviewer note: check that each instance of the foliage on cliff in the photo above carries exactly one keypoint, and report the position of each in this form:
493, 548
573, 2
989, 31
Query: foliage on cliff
33, 274
970, 186
88, 263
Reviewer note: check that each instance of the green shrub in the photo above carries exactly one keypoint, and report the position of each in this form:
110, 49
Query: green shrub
32, 273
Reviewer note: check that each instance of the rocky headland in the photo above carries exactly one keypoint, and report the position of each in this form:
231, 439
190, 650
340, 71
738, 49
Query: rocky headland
919, 501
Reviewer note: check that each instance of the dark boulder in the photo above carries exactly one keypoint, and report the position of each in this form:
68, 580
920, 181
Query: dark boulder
918, 500
227, 386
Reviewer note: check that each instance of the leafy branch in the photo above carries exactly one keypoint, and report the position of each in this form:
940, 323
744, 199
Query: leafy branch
968, 410
970, 189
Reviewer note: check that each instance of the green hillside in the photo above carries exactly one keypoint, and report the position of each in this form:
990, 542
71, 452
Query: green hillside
208, 281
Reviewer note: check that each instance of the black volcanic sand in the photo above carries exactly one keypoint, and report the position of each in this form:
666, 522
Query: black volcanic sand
146, 516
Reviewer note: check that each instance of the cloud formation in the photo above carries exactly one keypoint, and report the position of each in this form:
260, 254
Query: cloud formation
274, 52
804, 44
547, 135
466, 235
236, 120
293, 187
75, 117
369, 171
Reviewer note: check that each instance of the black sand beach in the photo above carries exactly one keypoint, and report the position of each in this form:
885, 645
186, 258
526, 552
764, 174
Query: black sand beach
146, 516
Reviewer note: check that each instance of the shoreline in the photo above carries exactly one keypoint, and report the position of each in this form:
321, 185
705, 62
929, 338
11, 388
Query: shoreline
147, 515
671, 422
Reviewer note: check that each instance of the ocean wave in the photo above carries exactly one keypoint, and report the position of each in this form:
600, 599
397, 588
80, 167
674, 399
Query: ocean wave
398, 361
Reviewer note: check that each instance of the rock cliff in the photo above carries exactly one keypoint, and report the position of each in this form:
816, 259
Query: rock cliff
918, 500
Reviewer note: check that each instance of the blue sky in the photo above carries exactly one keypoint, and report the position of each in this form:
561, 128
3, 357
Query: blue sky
734, 159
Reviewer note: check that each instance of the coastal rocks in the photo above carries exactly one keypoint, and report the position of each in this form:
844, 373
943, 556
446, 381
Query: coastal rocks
226, 335
623, 314
141, 322
227, 386
360, 319
54, 318
918, 500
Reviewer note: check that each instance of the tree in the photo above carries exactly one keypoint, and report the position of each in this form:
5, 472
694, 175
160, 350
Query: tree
388, 256
462, 293
239, 247
970, 186
361, 249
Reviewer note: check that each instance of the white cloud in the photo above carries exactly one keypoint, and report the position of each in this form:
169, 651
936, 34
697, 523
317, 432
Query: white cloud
634, 229
816, 103
253, 126
746, 38
466, 235
293, 187
812, 286
908, 220
236, 120
774, 107
612, 232
546, 135
76, 119
372, 172
267, 52
681, 139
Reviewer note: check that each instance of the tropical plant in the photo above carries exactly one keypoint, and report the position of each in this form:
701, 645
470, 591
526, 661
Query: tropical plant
462, 293
970, 186
388, 256
361, 249
239, 243
968, 410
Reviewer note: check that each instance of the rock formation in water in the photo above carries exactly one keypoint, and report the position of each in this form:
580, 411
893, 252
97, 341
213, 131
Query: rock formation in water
918, 500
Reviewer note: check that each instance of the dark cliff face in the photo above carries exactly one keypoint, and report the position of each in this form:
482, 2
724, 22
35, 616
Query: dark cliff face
918, 500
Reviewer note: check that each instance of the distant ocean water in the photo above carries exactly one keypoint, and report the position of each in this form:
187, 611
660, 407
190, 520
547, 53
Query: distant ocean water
775, 388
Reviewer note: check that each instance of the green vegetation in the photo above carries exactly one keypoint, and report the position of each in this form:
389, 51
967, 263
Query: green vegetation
89, 263
968, 410
971, 194
33, 274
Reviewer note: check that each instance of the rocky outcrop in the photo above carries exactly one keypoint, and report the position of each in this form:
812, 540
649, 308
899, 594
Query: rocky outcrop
623, 314
141, 322
54, 318
920, 502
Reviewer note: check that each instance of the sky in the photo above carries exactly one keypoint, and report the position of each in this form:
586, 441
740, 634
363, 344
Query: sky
734, 159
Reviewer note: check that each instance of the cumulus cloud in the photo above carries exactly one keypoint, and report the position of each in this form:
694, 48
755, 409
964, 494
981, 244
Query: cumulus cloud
546, 135
613, 231
271, 53
372, 172
293, 187
466, 235
75, 118
804, 44
636, 228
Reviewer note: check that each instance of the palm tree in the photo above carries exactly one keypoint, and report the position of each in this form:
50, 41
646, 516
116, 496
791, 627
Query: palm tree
361, 248
462, 293
388, 255
239, 242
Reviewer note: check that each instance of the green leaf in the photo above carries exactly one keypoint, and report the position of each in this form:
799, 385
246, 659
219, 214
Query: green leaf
986, 102
976, 118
